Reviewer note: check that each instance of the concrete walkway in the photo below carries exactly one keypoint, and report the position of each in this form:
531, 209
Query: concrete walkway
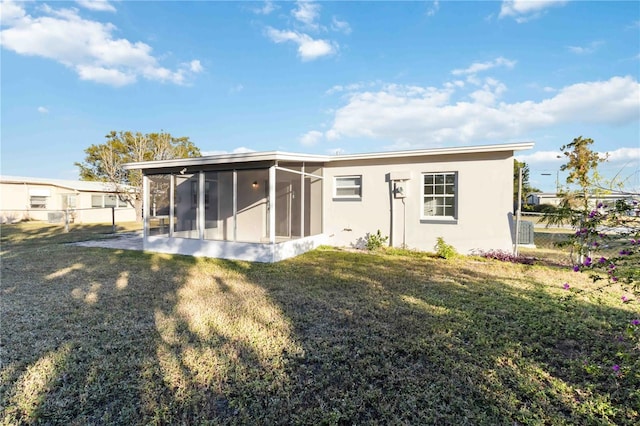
124, 241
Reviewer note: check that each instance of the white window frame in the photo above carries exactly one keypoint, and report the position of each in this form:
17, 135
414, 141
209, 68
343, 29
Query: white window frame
42, 205
440, 196
120, 204
336, 186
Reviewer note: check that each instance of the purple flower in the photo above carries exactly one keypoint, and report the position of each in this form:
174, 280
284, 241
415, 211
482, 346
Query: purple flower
587, 261
600, 205
612, 266
635, 322
614, 279
595, 244
624, 252
566, 286
602, 260
624, 299
576, 268
633, 241
592, 213
616, 368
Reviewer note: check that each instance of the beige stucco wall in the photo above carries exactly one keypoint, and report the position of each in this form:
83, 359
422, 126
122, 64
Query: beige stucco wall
484, 203
15, 205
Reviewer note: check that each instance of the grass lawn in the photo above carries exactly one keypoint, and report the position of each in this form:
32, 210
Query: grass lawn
100, 336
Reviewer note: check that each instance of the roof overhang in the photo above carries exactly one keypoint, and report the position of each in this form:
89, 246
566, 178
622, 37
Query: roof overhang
275, 156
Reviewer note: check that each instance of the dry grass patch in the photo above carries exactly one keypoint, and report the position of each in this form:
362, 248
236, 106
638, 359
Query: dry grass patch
99, 336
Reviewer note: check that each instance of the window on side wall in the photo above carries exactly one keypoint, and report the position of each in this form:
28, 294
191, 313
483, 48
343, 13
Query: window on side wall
348, 187
439, 191
38, 202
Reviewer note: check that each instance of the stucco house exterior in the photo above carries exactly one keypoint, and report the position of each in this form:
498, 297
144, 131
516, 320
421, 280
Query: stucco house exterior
48, 199
268, 206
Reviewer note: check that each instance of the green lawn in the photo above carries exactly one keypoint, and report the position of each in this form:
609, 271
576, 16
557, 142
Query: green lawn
99, 336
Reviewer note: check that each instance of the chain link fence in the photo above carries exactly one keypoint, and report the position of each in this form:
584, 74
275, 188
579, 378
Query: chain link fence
102, 219
538, 237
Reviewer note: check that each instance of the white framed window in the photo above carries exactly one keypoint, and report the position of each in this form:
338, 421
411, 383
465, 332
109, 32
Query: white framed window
439, 191
348, 187
38, 202
107, 200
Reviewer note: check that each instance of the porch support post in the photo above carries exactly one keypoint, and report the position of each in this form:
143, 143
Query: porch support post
146, 209
302, 202
235, 204
172, 204
201, 205
272, 204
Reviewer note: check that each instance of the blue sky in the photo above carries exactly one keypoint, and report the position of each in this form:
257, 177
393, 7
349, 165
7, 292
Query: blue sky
321, 77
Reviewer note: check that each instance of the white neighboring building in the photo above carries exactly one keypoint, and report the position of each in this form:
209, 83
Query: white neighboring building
267, 206
46, 199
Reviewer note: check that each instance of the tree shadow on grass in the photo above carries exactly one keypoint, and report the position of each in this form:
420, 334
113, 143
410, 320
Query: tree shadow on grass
391, 341
94, 336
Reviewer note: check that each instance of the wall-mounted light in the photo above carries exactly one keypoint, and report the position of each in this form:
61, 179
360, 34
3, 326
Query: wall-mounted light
254, 185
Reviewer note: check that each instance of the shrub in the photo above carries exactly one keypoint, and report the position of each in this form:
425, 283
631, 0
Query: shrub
444, 250
375, 241
505, 256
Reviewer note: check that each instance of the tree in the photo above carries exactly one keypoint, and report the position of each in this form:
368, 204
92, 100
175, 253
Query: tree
526, 186
582, 183
605, 245
582, 165
103, 162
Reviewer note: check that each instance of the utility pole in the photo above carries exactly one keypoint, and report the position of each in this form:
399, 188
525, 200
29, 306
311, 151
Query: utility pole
518, 212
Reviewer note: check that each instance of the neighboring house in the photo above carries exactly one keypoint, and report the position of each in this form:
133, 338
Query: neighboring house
24, 198
539, 198
608, 200
267, 206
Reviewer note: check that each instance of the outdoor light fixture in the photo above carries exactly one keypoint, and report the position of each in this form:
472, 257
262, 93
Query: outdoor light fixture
254, 185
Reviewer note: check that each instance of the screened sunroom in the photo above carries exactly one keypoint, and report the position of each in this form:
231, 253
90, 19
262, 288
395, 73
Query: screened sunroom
258, 206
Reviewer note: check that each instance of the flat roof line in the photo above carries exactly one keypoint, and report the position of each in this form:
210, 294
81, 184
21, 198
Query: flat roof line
313, 158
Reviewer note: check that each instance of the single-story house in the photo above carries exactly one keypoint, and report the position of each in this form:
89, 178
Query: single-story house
268, 206
49, 199
609, 200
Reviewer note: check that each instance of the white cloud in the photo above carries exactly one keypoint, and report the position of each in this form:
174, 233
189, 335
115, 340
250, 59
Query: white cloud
411, 116
619, 155
195, 66
307, 12
340, 26
239, 150
43, 110
266, 8
484, 66
308, 48
542, 157
623, 155
97, 5
88, 47
584, 50
526, 10
433, 9
10, 12
311, 138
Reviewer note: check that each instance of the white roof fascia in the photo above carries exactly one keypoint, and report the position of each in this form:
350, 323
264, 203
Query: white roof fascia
287, 156
436, 151
229, 159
